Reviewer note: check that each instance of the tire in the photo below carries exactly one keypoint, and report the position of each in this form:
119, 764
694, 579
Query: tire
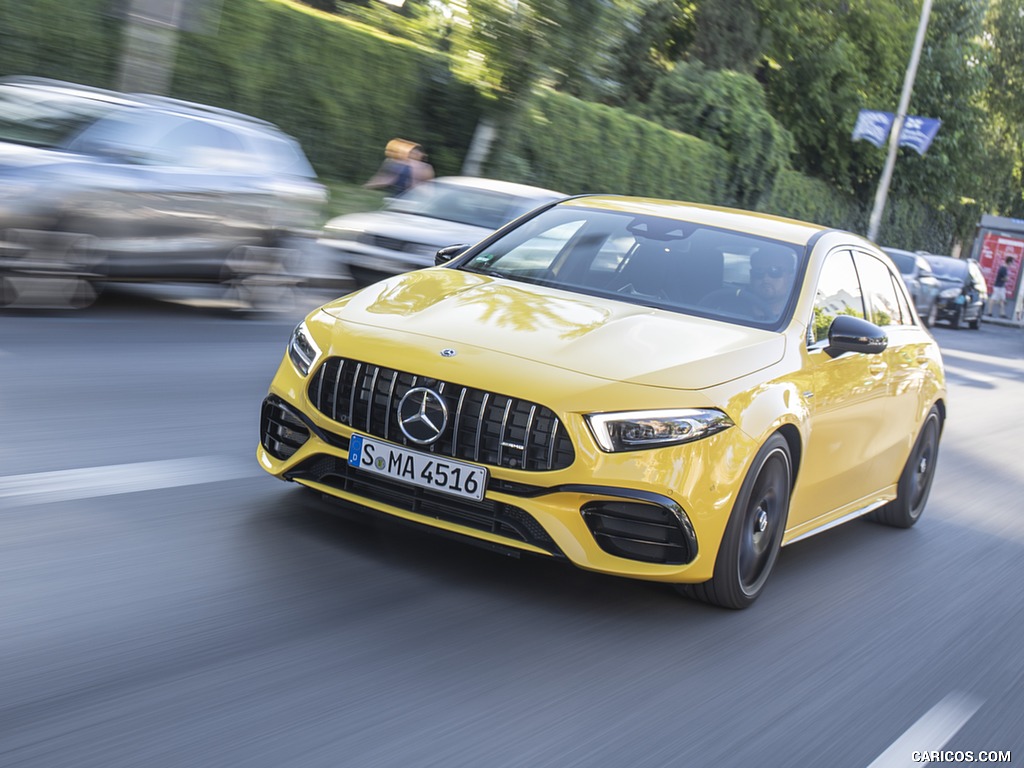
915, 481
954, 321
753, 535
975, 324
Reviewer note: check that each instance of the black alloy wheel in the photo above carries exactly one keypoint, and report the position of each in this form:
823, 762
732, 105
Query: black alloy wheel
753, 536
915, 481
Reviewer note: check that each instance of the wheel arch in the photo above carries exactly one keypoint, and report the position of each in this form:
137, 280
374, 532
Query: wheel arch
791, 434
941, 405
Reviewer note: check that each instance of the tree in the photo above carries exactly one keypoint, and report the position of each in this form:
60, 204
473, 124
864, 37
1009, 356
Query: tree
727, 109
966, 170
653, 40
1005, 96
825, 61
728, 35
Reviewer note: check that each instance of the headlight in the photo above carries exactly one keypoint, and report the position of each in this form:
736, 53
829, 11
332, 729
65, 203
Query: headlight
302, 350
950, 293
635, 430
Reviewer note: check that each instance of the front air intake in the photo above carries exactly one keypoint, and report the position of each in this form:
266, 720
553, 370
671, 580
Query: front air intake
282, 433
638, 531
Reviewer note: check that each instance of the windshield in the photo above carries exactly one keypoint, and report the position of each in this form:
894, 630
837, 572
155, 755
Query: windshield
950, 269
462, 205
40, 117
652, 261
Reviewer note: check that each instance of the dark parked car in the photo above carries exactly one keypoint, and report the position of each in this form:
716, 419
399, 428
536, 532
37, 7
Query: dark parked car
924, 287
963, 293
98, 186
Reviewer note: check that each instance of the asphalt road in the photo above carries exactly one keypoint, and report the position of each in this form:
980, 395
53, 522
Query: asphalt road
174, 606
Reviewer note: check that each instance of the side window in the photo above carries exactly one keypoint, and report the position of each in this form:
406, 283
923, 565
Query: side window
901, 295
880, 291
838, 293
198, 144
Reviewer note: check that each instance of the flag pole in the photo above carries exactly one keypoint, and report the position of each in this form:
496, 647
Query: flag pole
897, 125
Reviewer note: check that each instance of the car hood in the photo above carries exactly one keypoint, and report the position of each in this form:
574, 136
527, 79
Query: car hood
600, 338
408, 227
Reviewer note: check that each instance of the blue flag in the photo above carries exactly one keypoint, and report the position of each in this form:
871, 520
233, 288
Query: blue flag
873, 126
918, 132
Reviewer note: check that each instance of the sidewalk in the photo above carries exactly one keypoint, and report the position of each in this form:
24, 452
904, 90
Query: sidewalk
1009, 322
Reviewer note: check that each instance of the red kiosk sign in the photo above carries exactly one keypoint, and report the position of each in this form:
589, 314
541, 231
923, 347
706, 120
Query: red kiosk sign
994, 250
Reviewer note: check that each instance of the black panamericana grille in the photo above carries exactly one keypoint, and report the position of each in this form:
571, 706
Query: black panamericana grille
492, 516
483, 427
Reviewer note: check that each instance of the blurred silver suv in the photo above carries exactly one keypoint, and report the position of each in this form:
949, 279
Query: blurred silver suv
98, 186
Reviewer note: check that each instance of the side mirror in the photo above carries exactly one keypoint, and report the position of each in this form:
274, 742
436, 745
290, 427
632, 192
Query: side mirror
449, 252
854, 334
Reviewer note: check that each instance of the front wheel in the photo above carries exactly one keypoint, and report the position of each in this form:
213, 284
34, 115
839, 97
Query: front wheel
915, 481
752, 538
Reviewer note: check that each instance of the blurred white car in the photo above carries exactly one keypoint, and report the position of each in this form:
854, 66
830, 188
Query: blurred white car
408, 231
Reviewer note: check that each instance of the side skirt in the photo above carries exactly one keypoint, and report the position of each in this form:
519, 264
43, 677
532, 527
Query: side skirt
838, 521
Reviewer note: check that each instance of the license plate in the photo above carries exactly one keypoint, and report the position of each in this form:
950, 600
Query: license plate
416, 468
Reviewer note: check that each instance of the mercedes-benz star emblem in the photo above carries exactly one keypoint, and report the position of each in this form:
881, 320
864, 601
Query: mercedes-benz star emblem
422, 415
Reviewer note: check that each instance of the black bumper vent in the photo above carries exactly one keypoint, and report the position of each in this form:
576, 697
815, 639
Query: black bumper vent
638, 531
282, 433
483, 427
490, 516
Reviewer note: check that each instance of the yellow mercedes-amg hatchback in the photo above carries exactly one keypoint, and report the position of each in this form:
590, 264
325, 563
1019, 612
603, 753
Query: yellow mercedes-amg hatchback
645, 388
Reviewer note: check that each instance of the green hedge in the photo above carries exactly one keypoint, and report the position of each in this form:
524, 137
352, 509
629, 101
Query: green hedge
906, 223
801, 197
574, 146
342, 89
77, 41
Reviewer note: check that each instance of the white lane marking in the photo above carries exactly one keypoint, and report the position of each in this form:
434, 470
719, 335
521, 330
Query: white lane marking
88, 482
931, 732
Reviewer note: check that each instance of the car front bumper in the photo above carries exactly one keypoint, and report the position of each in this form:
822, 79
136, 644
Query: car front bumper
657, 515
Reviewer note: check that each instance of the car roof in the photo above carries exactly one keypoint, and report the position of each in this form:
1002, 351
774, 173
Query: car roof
761, 224
165, 103
498, 185
59, 86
